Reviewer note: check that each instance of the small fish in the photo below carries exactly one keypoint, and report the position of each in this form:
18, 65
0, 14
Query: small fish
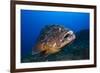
52, 38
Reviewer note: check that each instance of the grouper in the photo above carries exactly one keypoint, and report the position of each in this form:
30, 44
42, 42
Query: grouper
52, 38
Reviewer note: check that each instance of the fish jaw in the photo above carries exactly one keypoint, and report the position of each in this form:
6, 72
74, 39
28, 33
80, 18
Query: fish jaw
69, 39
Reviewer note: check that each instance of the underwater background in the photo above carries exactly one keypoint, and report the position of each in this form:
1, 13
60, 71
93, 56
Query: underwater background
33, 21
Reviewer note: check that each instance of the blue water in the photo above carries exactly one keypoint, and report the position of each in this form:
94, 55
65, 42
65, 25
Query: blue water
33, 21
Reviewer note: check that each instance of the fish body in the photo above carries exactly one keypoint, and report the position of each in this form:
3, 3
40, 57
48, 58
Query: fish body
52, 38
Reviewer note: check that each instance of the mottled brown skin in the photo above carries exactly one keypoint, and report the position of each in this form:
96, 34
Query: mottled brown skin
55, 38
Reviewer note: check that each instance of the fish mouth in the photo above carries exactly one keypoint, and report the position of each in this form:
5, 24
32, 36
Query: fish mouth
69, 36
